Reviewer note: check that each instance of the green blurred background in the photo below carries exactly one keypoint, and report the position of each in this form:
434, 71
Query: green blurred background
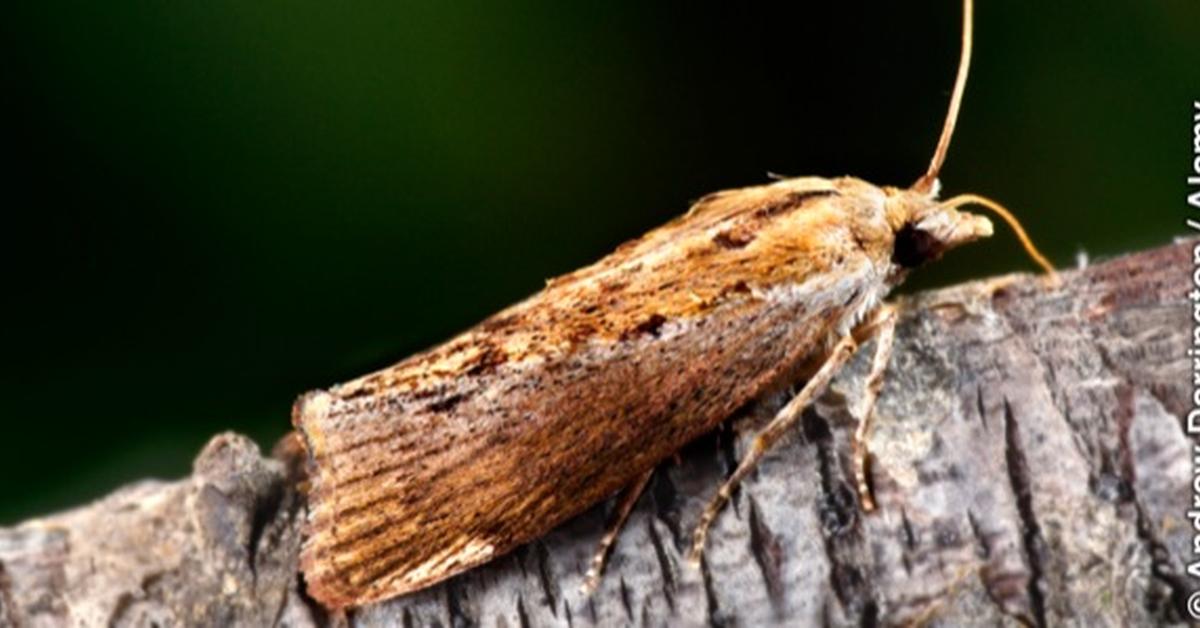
215, 206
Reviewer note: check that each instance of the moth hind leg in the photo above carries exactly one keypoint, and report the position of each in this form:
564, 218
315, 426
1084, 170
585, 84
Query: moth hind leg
784, 420
625, 504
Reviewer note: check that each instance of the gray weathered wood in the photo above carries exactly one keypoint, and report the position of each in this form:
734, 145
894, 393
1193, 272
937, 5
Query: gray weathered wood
1030, 463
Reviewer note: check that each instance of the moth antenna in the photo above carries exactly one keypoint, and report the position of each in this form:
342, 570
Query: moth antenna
1000, 210
925, 183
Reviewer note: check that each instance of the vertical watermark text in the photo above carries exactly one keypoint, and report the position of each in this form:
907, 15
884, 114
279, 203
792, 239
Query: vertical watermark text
1193, 420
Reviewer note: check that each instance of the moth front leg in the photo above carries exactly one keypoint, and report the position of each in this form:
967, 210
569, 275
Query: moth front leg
882, 327
784, 420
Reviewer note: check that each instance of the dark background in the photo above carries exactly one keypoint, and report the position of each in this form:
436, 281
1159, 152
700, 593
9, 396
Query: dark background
212, 207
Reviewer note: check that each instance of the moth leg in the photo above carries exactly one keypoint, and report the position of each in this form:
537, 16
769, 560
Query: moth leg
625, 504
883, 328
784, 420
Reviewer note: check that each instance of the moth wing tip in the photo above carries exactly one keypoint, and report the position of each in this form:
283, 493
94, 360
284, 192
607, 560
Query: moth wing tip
331, 598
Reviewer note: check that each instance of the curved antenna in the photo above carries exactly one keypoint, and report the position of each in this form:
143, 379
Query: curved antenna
925, 183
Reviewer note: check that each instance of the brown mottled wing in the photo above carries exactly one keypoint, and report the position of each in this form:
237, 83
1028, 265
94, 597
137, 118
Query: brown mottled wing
461, 453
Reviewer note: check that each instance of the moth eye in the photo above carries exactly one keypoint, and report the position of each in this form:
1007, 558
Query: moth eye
914, 247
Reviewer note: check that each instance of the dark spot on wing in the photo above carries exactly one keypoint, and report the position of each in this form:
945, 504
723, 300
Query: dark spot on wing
426, 393
614, 285
581, 332
735, 238
740, 287
652, 326
446, 404
365, 390
486, 362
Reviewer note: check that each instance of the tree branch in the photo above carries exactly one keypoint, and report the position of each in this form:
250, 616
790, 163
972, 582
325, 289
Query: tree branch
1030, 463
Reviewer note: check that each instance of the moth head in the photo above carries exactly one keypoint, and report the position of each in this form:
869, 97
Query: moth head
925, 227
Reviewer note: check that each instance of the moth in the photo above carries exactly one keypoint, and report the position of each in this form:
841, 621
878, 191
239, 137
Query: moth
461, 453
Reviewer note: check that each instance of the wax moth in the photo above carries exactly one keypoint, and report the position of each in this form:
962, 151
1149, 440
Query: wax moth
461, 453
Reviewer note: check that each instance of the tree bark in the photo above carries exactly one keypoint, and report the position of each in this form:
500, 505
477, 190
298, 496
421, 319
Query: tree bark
1030, 461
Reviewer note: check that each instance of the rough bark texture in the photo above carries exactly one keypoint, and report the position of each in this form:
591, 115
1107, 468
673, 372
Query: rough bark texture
1031, 466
